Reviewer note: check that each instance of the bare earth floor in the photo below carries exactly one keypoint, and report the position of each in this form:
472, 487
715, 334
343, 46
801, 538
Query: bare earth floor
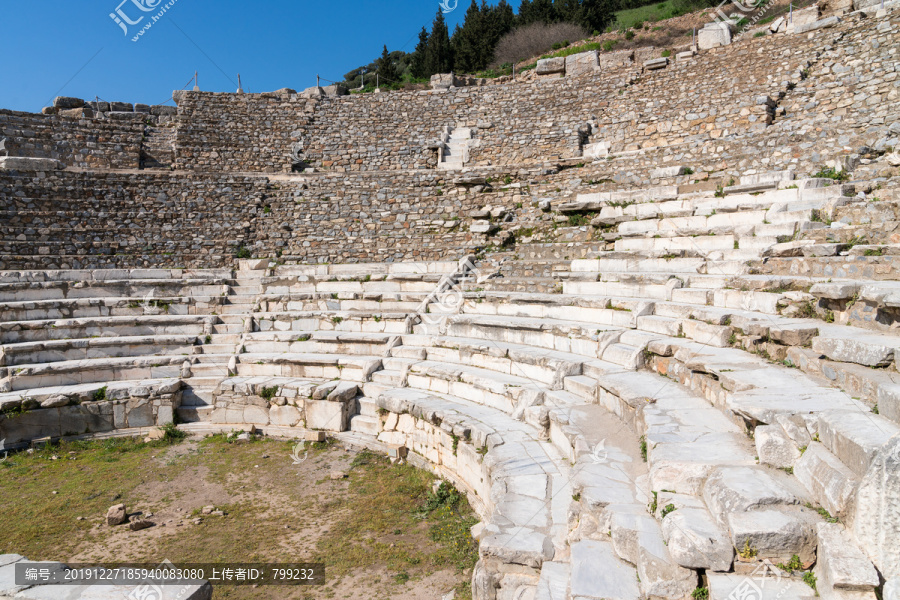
381, 531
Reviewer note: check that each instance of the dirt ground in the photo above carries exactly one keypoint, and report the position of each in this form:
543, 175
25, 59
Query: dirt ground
375, 528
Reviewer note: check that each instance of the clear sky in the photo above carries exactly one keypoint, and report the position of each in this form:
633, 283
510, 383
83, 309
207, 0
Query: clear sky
74, 48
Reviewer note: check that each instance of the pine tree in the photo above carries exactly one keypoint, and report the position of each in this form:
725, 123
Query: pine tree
469, 43
568, 11
524, 16
387, 72
596, 15
500, 22
543, 11
417, 64
439, 54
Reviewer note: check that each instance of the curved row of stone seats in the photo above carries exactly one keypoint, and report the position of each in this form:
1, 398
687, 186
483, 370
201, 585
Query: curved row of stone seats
361, 321
30, 353
324, 342
847, 349
450, 348
71, 410
95, 370
520, 481
79, 308
105, 327
127, 288
683, 466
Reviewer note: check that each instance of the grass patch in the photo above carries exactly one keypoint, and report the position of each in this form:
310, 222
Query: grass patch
626, 19
383, 521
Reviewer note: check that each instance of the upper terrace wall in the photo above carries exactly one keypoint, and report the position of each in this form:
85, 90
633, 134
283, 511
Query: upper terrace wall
850, 97
96, 220
239, 132
728, 91
355, 217
84, 143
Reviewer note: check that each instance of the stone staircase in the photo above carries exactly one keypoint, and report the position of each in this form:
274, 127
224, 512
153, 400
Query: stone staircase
158, 148
455, 151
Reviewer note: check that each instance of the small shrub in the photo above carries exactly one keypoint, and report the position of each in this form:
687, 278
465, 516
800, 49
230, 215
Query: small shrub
831, 173
268, 393
446, 496
670, 508
701, 593
644, 448
171, 433
793, 565
242, 252
535, 39
100, 395
747, 552
759, 34
629, 35
608, 45
666, 53
810, 579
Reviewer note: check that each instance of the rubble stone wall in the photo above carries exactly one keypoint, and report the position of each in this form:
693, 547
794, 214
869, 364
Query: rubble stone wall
83, 143
97, 220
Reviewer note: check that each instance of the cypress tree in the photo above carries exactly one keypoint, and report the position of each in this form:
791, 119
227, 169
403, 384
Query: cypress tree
469, 40
596, 15
568, 11
387, 72
439, 54
543, 11
524, 17
417, 64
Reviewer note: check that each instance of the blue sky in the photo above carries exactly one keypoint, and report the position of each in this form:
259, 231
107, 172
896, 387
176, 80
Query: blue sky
74, 48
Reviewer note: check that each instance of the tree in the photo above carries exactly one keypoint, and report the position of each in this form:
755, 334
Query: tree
439, 54
597, 15
387, 72
417, 64
469, 40
543, 11
568, 11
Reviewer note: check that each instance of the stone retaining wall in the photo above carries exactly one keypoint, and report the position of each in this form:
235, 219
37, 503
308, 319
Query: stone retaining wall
90, 412
240, 132
80, 218
84, 143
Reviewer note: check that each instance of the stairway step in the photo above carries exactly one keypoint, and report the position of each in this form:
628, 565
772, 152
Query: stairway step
366, 425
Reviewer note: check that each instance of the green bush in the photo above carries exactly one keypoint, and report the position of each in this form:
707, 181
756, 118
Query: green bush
831, 173
629, 35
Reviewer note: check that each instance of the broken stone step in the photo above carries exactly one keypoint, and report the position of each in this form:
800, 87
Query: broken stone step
841, 565
855, 437
365, 425
597, 573
728, 586
829, 481
637, 538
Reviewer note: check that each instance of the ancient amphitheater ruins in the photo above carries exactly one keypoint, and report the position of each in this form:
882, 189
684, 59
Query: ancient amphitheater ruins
642, 309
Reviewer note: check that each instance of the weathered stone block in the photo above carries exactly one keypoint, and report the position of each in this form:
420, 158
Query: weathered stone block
581, 64
548, 66
713, 36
